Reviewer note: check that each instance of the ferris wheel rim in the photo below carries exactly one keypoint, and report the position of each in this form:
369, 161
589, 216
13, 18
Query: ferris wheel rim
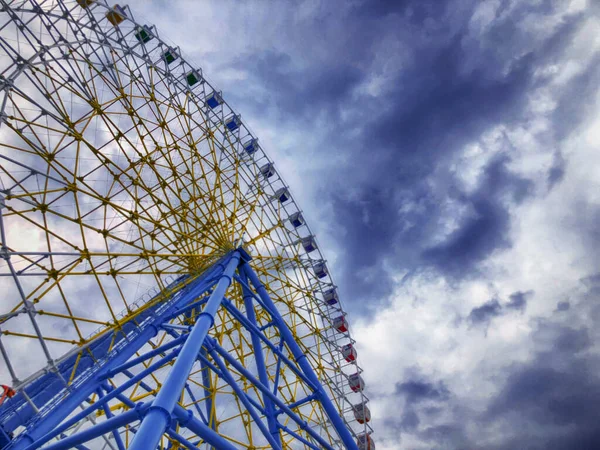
292, 201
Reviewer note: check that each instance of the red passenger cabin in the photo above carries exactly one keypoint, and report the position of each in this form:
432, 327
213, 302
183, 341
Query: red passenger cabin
362, 413
356, 382
365, 442
349, 353
340, 324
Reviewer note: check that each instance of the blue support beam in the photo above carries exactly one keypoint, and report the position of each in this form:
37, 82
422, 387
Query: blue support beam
186, 419
277, 367
300, 358
297, 436
277, 401
191, 344
152, 353
110, 415
260, 359
193, 397
49, 425
275, 443
207, 384
183, 441
157, 419
98, 430
298, 403
275, 349
114, 393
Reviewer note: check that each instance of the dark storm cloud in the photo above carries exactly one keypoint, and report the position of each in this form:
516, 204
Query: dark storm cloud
485, 313
518, 300
563, 306
548, 400
487, 227
435, 108
298, 92
422, 400
421, 389
544, 402
557, 171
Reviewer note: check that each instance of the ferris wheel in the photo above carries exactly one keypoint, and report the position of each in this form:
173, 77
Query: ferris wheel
160, 286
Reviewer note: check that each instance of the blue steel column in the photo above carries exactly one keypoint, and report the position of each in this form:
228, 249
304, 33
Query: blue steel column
158, 417
259, 358
300, 358
207, 383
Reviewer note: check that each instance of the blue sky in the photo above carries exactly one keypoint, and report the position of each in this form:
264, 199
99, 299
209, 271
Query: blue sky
446, 155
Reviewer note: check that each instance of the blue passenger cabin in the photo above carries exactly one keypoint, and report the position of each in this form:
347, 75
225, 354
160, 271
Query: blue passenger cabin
214, 100
143, 34
268, 170
330, 296
251, 146
233, 122
320, 269
282, 195
296, 219
309, 244
169, 56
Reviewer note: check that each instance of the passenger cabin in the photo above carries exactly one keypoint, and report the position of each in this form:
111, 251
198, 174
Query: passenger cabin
365, 442
233, 122
143, 34
251, 146
85, 3
362, 413
309, 244
320, 269
340, 324
214, 100
330, 296
296, 219
282, 195
116, 15
268, 170
169, 56
193, 77
349, 353
356, 382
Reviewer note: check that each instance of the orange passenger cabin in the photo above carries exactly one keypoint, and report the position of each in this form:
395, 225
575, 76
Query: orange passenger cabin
116, 15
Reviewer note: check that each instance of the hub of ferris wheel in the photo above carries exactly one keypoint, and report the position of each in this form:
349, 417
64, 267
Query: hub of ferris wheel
161, 288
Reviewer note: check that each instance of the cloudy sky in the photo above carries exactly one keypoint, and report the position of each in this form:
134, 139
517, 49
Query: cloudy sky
446, 154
